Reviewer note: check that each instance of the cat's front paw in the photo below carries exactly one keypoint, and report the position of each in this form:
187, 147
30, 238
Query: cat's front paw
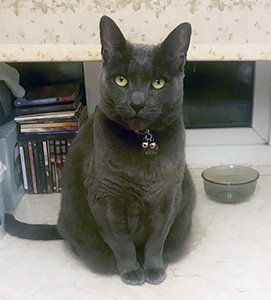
136, 277
155, 275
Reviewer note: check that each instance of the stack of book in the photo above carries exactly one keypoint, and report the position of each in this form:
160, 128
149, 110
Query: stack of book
48, 119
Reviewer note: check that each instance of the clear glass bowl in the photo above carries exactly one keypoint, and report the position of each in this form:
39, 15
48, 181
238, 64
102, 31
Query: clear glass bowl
230, 183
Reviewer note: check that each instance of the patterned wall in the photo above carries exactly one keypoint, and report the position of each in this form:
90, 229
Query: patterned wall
67, 30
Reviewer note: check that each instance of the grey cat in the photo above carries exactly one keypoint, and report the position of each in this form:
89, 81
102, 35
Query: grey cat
127, 195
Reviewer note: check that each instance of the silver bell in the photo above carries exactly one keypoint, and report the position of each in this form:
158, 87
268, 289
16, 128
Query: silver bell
145, 145
152, 145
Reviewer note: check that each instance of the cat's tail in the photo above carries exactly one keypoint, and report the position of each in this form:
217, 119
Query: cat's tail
22, 230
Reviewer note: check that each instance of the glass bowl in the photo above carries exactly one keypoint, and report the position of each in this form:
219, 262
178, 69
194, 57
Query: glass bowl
230, 183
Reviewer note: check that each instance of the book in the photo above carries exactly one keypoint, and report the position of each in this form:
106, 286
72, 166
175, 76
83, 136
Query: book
42, 186
45, 135
47, 166
49, 116
58, 165
54, 107
44, 95
23, 166
36, 166
48, 130
32, 167
27, 164
50, 125
52, 163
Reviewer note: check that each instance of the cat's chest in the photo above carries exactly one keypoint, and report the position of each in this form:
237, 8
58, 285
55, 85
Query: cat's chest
145, 205
130, 182
140, 199
127, 188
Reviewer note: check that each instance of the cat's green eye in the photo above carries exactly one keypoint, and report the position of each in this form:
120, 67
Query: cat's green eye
121, 80
158, 83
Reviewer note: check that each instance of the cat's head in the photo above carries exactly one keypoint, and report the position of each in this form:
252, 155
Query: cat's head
142, 86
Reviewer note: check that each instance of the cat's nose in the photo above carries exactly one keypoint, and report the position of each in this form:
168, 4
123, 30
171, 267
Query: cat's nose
138, 101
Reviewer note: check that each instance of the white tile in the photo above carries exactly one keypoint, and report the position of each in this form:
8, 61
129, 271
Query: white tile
229, 257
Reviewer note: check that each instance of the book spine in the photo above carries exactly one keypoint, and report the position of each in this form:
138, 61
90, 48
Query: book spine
49, 124
53, 164
21, 102
45, 135
50, 116
37, 166
41, 166
59, 164
46, 108
49, 130
28, 168
63, 152
32, 167
47, 167
23, 166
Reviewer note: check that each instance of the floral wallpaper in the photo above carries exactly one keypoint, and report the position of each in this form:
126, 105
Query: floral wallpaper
67, 30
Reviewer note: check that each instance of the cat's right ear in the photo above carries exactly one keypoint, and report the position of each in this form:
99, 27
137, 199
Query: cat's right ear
112, 39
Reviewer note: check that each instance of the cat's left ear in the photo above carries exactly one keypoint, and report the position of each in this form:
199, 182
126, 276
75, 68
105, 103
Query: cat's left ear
112, 39
175, 46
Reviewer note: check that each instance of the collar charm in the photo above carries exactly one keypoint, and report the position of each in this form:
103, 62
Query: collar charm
148, 144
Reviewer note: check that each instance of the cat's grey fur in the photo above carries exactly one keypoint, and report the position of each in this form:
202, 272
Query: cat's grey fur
116, 201
123, 211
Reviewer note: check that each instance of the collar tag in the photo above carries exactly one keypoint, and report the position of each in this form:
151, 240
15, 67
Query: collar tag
148, 144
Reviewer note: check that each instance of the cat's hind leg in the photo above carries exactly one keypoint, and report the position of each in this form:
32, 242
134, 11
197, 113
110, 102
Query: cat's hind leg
96, 255
176, 242
82, 236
